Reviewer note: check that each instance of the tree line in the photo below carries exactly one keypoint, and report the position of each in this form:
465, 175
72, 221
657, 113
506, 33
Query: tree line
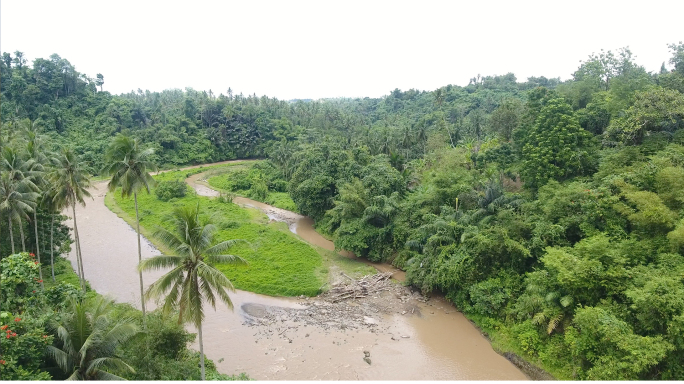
552, 217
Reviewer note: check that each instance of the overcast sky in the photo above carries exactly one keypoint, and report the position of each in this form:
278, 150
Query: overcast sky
316, 49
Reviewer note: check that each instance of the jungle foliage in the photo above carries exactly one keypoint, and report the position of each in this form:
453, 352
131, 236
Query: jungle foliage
40, 326
550, 212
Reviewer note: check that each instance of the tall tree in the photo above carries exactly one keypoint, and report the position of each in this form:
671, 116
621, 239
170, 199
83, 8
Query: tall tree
129, 167
192, 278
70, 182
556, 147
38, 160
18, 192
506, 118
99, 81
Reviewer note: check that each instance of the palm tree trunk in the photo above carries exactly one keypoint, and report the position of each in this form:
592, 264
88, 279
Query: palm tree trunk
137, 222
52, 247
42, 236
9, 220
21, 234
201, 345
79, 260
40, 265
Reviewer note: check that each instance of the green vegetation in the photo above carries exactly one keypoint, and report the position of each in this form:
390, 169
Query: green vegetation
191, 280
30, 319
279, 264
170, 189
88, 339
550, 212
260, 181
129, 167
60, 328
553, 218
69, 185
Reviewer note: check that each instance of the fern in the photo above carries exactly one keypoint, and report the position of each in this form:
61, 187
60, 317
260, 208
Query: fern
553, 323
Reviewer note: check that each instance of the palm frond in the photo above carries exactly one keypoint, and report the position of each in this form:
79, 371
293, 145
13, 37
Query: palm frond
168, 280
223, 246
553, 323
60, 357
159, 262
107, 362
103, 375
227, 259
172, 241
75, 376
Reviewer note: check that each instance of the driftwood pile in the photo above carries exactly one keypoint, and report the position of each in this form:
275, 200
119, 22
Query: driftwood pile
360, 288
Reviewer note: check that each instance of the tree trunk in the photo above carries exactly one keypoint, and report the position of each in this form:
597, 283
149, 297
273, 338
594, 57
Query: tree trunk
40, 265
9, 220
79, 260
199, 333
42, 236
137, 221
21, 235
52, 247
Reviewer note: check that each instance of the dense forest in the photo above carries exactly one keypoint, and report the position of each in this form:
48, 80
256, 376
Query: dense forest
550, 212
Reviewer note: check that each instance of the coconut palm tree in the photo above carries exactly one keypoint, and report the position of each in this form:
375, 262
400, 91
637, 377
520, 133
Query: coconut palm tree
47, 203
69, 183
192, 278
17, 191
37, 159
129, 167
87, 339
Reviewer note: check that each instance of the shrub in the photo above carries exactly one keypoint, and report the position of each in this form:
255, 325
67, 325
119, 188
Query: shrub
258, 190
24, 341
20, 282
489, 296
169, 189
239, 180
226, 197
528, 337
278, 185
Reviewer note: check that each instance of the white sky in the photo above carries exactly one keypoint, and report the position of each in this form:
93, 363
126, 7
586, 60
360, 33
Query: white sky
315, 49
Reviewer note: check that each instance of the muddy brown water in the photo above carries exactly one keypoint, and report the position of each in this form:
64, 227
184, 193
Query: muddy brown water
440, 344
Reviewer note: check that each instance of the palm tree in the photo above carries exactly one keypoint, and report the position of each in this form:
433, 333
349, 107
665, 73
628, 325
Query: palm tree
70, 183
87, 338
48, 204
17, 196
37, 160
192, 278
129, 167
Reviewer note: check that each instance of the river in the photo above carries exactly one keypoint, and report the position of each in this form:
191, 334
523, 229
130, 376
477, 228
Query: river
435, 343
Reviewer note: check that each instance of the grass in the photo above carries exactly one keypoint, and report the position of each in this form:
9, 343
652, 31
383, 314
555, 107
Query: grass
280, 264
219, 181
503, 339
64, 272
333, 261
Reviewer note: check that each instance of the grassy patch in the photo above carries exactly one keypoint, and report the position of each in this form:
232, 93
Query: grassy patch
64, 272
333, 262
220, 180
551, 357
280, 264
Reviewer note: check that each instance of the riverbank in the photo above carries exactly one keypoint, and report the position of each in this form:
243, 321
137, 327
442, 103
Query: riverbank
441, 343
304, 227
